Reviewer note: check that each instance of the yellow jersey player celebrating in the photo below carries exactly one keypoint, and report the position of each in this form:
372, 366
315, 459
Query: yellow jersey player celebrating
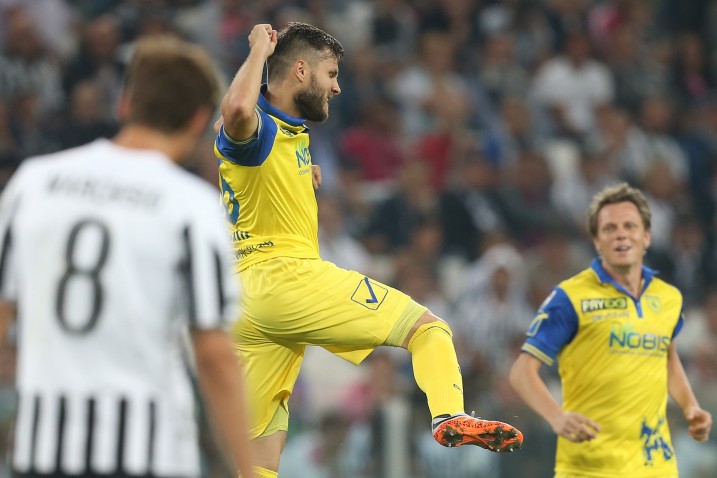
291, 297
611, 328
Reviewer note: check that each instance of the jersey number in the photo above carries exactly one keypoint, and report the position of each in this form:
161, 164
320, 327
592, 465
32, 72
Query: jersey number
79, 272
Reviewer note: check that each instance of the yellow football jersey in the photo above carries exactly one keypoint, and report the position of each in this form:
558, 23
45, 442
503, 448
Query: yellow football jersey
612, 359
266, 184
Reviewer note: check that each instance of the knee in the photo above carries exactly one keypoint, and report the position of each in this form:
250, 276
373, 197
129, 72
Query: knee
266, 451
260, 472
427, 318
427, 322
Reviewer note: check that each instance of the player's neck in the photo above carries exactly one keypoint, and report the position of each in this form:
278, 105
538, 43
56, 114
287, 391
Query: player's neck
629, 277
282, 98
135, 136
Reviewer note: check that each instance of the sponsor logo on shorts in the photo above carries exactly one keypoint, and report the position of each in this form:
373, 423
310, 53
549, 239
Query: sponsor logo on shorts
369, 294
245, 251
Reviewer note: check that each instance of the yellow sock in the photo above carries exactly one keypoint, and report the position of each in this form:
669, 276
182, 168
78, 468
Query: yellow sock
264, 473
435, 366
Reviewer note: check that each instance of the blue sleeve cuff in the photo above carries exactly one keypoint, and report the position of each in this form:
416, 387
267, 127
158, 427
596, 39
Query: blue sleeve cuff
536, 352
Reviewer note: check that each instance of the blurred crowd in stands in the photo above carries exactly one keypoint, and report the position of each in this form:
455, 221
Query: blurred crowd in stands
458, 164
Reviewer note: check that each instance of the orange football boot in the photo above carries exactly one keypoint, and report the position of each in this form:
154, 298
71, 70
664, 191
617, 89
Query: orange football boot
465, 429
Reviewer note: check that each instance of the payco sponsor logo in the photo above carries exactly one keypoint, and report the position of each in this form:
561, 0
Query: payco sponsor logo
591, 305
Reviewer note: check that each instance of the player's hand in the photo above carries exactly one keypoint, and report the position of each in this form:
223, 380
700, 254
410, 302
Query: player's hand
316, 176
575, 427
263, 36
700, 423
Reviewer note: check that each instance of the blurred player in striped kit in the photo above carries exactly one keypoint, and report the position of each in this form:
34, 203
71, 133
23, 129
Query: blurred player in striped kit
109, 253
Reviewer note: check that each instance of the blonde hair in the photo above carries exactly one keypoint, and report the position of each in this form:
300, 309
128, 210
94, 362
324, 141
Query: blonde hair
617, 193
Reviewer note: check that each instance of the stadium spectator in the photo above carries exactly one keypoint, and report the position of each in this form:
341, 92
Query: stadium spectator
499, 72
336, 244
86, 119
424, 81
26, 65
511, 132
492, 309
572, 85
98, 61
375, 144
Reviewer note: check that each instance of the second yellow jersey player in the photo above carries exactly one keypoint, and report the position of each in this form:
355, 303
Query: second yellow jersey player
611, 329
617, 333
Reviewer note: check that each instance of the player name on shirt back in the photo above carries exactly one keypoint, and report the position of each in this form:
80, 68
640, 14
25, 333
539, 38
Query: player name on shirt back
102, 190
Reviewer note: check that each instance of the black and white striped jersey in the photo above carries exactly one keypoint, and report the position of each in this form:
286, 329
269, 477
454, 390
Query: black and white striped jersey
110, 253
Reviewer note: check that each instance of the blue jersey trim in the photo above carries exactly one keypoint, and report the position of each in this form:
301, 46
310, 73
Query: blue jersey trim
678, 326
604, 278
553, 328
596, 265
251, 152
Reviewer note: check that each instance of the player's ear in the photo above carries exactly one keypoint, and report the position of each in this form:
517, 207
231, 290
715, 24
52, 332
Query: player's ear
124, 108
199, 121
596, 244
301, 70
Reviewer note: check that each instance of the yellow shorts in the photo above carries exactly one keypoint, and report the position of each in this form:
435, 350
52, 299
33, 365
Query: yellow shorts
290, 303
571, 475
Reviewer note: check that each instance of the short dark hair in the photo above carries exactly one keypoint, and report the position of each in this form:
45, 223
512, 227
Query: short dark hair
167, 81
614, 194
301, 39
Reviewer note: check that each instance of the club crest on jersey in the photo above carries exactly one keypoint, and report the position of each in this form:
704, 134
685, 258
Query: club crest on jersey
653, 302
592, 305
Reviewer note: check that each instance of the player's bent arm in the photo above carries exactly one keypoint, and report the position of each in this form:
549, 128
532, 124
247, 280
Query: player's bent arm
222, 384
7, 315
677, 384
699, 420
238, 105
526, 381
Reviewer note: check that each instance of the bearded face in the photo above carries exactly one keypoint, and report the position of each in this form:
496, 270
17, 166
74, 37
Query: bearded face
312, 102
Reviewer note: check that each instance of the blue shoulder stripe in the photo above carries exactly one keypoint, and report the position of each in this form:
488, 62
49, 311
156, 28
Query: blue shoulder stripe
553, 328
252, 151
678, 326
